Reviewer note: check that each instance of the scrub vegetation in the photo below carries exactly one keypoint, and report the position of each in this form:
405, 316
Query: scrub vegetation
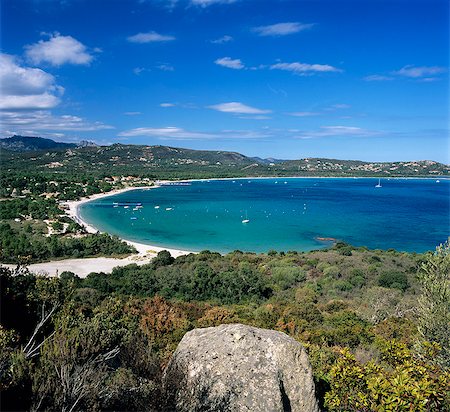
374, 324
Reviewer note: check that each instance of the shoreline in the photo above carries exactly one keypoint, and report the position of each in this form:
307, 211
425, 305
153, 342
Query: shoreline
82, 267
143, 250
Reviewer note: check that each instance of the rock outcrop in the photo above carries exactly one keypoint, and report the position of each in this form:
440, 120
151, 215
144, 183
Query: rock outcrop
239, 368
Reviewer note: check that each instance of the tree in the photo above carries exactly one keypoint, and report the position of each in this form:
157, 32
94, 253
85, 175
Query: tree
434, 302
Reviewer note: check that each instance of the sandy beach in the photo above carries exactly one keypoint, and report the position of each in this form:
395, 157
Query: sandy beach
82, 267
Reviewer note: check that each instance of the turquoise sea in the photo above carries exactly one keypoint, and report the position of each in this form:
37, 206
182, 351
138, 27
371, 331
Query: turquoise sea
284, 214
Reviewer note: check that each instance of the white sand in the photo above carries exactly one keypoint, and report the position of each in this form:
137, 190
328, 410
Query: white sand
82, 267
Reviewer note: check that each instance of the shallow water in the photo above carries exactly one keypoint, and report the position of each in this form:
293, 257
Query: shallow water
284, 214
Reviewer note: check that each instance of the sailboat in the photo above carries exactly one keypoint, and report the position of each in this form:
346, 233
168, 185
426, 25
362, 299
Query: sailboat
246, 220
379, 183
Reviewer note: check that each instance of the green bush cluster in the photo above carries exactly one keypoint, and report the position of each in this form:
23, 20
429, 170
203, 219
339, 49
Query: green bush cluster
25, 247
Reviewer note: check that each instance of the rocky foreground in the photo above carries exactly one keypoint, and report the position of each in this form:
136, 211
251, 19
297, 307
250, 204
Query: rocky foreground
239, 368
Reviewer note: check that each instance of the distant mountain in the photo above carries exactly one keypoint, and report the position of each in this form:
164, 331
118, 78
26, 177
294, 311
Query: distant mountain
30, 143
359, 168
86, 143
267, 161
34, 154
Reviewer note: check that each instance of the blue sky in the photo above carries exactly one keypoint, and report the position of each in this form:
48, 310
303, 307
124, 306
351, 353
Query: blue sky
288, 79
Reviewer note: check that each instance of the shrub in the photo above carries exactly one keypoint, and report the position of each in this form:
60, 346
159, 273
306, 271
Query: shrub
393, 280
332, 271
434, 302
286, 277
401, 382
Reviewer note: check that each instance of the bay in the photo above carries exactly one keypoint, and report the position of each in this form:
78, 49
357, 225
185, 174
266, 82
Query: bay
284, 214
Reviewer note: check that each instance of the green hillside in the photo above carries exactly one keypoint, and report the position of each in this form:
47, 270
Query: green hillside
163, 162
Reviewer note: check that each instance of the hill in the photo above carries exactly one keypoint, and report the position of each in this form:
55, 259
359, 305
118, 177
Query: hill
26, 154
30, 143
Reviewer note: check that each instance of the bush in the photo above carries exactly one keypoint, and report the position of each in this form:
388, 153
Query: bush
401, 383
434, 302
393, 280
286, 277
332, 271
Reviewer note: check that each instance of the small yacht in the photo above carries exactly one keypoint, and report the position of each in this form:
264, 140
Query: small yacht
126, 207
379, 183
246, 220
169, 208
156, 207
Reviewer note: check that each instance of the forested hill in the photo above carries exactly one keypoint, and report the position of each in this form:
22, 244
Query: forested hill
44, 155
29, 143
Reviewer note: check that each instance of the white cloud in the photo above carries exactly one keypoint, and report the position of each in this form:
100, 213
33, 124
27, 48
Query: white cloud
377, 78
26, 87
304, 68
166, 67
337, 131
230, 63
340, 106
150, 37
281, 29
177, 133
58, 50
45, 120
167, 104
132, 113
239, 108
422, 71
138, 70
42, 101
419, 73
223, 39
206, 3
166, 133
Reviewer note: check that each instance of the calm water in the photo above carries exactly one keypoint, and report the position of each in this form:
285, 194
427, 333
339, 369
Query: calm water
284, 214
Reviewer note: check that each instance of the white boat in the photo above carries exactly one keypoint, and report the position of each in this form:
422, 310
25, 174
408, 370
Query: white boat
437, 181
246, 220
379, 183
156, 207
169, 208
126, 207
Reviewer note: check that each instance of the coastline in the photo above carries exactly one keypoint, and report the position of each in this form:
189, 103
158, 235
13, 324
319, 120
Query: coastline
147, 249
82, 267
144, 250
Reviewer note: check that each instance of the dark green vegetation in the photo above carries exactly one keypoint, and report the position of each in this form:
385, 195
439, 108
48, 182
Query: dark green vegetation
161, 162
28, 239
107, 338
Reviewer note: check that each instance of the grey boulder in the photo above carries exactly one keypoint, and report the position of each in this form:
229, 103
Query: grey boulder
239, 368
